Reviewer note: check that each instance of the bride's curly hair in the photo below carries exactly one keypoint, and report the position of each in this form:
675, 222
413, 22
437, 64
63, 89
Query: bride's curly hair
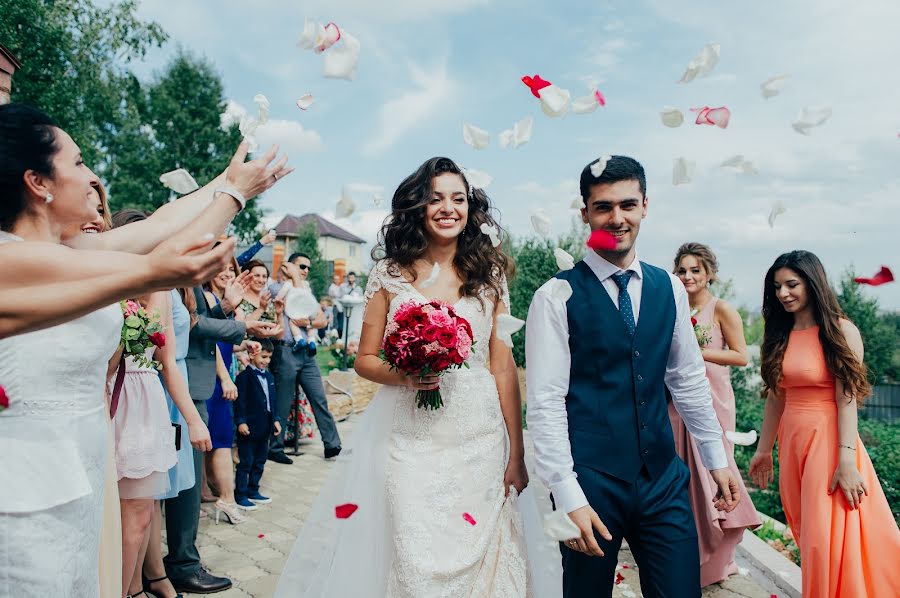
402, 239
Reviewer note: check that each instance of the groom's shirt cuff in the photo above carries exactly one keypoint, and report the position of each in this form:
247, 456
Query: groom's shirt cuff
568, 495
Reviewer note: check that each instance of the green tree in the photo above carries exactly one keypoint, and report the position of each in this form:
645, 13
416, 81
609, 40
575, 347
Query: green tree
308, 242
74, 56
878, 336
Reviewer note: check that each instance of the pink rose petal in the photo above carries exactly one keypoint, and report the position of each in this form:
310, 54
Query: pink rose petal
469, 519
601, 239
712, 116
345, 511
884, 276
599, 97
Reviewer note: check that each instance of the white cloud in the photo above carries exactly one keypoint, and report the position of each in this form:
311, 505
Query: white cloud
289, 135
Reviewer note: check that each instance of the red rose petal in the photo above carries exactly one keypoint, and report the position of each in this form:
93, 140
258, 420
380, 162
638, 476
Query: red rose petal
599, 97
344, 511
469, 519
535, 84
261, 536
619, 578
4, 400
601, 239
626, 566
884, 276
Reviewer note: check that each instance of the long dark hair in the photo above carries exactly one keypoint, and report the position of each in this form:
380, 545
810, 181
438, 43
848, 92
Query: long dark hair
27, 142
840, 359
402, 239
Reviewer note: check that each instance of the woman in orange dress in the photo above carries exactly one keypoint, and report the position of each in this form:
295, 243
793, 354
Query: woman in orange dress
718, 532
814, 376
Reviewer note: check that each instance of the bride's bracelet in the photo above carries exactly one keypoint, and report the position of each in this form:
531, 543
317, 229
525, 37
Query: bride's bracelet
237, 195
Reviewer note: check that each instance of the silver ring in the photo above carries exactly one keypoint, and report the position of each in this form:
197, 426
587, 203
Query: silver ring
275, 176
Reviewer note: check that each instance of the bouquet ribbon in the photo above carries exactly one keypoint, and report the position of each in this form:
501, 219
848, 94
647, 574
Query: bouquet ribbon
117, 388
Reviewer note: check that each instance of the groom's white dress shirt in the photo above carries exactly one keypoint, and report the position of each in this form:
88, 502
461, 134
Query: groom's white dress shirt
548, 365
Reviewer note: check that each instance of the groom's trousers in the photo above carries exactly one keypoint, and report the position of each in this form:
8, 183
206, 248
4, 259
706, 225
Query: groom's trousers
654, 515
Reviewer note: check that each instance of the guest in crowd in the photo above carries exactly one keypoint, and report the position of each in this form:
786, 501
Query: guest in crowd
328, 310
254, 416
244, 258
334, 293
814, 378
300, 368
257, 302
720, 333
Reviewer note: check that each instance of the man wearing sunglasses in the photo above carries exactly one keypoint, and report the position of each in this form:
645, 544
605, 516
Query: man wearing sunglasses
292, 368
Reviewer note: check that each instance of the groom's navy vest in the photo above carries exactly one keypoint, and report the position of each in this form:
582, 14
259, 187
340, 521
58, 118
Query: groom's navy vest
617, 411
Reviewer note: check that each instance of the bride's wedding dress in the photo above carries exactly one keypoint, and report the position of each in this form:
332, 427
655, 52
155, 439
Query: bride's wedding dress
433, 518
53, 450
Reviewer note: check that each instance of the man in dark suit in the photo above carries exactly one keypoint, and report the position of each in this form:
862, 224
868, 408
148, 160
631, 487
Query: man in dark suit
182, 512
255, 420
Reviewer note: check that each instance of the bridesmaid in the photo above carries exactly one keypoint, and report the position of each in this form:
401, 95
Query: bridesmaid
718, 532
814, 377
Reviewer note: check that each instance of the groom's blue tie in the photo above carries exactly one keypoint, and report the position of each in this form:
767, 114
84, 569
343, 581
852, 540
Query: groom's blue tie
625, 308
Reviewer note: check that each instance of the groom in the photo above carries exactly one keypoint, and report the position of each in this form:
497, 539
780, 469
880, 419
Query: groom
603, 342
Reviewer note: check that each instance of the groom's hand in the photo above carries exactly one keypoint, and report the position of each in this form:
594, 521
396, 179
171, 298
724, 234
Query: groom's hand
729, 494
587, 521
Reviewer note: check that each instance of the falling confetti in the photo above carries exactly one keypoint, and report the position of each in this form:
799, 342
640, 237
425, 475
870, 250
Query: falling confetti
712, 116
810, 117
305, 101
682, 171
327, 37
262, 103
518, 135
541, 223
740, 164
345, 205
476, 178
469, 519
777, 209
671, 117
179, 180
741, 438
507, 326
554, 100
432, 277
248, 128
558, 526
702, 64
589, 103
491, 231
601, 239
340, 62
599, 166
883, 276
345, 511
772, 87
477, 138
564, 260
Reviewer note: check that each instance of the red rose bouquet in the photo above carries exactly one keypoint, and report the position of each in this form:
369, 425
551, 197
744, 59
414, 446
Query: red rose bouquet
427, 338
140, 330
701, 332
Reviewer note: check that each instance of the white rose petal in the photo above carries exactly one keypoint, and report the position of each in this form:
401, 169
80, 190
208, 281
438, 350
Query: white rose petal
326, 37
377, 200
559, 527
703, 63
811, 116
309, 35
682, 171
743, 571
671, 117
180, 181
577, 203
741, 438
432, 277
560, 290
507, 326
584, 104
518, 135
492, 232
541, 223
262, 103
599, 166
341, 60
554, 100
564, 260
777, 209
345, 205
773, 86
477, 138
305, 101
476, 178
740, 164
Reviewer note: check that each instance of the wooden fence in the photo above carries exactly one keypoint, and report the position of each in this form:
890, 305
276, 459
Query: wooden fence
884, 404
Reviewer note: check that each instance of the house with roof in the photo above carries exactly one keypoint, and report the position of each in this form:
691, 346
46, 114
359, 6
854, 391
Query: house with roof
8, 65
339, 247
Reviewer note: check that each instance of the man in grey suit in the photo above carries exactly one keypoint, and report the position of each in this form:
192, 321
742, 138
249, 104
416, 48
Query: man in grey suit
182, 512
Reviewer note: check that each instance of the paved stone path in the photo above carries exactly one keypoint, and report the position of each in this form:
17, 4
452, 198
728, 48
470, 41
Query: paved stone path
253, 554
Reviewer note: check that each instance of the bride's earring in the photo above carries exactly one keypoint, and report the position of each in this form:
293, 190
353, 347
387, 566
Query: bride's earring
49, 198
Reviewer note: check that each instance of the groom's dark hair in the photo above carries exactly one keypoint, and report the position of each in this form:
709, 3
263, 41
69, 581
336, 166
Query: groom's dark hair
619, 168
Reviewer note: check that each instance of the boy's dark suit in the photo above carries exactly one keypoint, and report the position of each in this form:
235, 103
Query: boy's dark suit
254, 409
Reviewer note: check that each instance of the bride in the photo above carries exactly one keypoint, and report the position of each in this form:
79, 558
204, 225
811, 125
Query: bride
436, 490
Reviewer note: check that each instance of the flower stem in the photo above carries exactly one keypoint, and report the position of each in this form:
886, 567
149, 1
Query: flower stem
429, 399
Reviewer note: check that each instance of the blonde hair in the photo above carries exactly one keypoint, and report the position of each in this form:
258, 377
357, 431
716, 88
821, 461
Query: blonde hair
107, 215
704, 254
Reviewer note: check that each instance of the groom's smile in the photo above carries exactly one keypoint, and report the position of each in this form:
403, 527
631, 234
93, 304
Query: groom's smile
617, 208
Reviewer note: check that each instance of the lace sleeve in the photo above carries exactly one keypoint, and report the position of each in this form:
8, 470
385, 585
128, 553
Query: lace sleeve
374, 283
504, 293
381, 278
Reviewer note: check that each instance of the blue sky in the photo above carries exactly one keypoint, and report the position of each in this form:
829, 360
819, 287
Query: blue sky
427, 66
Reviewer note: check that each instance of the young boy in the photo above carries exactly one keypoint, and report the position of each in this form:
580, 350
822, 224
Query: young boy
254, 415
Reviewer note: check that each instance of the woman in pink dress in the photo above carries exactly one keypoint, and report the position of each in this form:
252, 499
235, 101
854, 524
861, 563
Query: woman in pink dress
720, 332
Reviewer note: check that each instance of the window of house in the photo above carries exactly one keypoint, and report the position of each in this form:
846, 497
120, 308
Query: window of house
352, 250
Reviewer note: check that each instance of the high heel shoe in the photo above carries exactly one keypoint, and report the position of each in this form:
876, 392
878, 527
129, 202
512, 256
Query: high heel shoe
230, 511
150, 591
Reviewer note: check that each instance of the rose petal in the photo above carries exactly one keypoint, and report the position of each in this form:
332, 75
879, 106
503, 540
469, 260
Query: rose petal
584, 105
740, 164
535, 84
601, 239
559, 527
682, 171
469, 519
777, 209
577, 203
432, 277
476, 178
741, 438
261, 536
308, 37
262, 102
555, 100
809, 117
564, 260
326, 37
772, 86
492, 232
883, 276
560, 290
719, 116
518, 135
305, 101
508, 325
703, 63
179, 180
340, 62
377, 200
619, 578
345, 205
541, 223
345, 511
599, 166
671, 117
599, 97
477, 138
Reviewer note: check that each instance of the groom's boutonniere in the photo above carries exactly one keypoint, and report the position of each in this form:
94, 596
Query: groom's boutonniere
701, 332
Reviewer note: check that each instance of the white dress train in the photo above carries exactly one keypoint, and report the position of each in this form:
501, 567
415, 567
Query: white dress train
415, 473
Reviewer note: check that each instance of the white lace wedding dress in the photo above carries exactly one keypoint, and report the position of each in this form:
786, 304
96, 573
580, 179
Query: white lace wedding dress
414, 473
53, 449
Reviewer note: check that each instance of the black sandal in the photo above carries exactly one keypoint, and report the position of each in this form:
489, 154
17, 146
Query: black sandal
152, 592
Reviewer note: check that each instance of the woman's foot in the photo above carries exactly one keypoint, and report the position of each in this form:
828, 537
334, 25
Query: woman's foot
161, 587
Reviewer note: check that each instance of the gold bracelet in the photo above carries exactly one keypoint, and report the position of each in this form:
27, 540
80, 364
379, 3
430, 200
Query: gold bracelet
852, 448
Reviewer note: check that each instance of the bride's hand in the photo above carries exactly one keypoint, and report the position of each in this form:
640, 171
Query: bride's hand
516, 475
417, 382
